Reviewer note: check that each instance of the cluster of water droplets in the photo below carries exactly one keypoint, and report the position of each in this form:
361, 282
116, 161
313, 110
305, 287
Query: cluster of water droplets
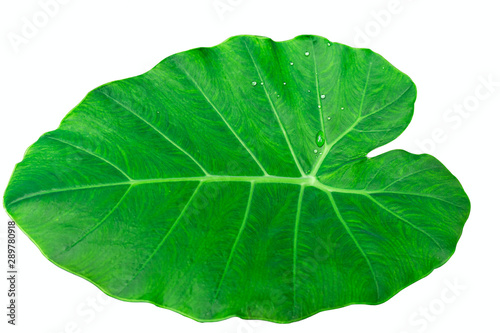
320, 136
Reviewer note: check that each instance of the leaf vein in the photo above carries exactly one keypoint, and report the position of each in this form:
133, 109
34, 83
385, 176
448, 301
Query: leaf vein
243, 144
353, 126
318, 93
373, 178
388, 104
164, 239
329, 147
409, 175
240, 232
91, 153
97, 225
417, 195
364, 90
403, 219
275, 113
295, 241
157, 130
349, 232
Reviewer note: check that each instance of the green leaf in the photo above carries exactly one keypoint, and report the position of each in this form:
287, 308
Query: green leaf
234, 181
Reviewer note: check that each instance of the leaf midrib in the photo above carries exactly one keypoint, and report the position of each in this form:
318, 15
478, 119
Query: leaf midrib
300, 181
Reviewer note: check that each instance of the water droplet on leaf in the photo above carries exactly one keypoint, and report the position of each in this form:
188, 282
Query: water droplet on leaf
315, 151
291, 63
329, 118
307, 54
323, 96
254, 83
320, 139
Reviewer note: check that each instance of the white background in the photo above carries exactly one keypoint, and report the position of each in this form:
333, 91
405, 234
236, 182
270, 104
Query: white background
449, 48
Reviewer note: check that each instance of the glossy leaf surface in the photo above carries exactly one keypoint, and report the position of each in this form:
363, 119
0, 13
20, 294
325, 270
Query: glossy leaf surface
233, 181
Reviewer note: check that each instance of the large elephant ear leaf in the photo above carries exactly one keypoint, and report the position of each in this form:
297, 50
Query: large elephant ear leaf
234, 181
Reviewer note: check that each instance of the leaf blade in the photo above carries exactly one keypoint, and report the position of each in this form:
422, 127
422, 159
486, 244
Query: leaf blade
227, 183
